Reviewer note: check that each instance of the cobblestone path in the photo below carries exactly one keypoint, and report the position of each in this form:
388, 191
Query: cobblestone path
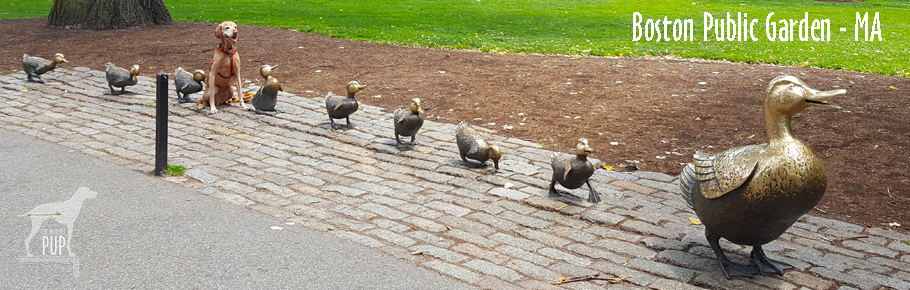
493, 230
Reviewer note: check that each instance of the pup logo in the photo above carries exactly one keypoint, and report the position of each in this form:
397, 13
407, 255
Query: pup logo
53, 240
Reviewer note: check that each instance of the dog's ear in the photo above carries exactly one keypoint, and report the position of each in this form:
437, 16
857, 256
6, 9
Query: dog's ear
218, 31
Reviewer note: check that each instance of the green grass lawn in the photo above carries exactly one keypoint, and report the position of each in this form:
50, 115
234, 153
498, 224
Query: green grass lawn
575, 27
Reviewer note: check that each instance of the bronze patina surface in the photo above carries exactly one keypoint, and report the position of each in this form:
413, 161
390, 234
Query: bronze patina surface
753, 194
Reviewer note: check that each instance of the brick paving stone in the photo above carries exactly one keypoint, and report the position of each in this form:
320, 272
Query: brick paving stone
560, 255
834, 224
490, 256
424, 224
274, 188
860, 282
200, 175
509, 194
856, 245
668, 271
430, 239
493, 269
384, 200
614, 234
449, 208
807, 280
390, 225
453, 271
600, 217
545, 238
646, 228
532, 270
358, 238
383, 211
664, 244
471, 238
888, 234
545, 203
344, 190
717, 280
687, 260
667, 284
525, 220
597, 254
488, 282
626, 248
524, 255
573, 234
392, 237
560, 219
467, 225
882, 279
420, 210
525, 244
480, 206
493, 221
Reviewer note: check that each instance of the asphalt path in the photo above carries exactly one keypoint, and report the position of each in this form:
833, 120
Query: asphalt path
139, 231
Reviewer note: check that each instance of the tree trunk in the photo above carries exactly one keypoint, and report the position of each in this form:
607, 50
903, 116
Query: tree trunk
107, 14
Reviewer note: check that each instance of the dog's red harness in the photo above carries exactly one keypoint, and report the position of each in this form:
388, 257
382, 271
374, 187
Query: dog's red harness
231, 53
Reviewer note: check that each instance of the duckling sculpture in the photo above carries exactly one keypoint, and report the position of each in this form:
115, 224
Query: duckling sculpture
573, 171
340, 107
34, 66
408, 122
121, 78
472, 145
187, 83
265, 99
751, 195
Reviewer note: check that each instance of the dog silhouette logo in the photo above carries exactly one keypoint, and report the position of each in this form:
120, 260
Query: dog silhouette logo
65, 213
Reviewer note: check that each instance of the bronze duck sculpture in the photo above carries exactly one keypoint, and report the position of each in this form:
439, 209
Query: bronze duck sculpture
472, 145
340, 107
34, 66
573, 171
187, 83
266, 97
751, 195
121, 78
408, 122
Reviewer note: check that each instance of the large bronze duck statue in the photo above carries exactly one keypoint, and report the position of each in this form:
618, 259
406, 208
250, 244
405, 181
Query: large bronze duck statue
753, 194
266, 97
472, 145
120, 77
573, 171
34, 66
408, 122
340, 107
186, 83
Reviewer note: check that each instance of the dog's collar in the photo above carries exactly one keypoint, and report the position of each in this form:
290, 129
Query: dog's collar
228, 52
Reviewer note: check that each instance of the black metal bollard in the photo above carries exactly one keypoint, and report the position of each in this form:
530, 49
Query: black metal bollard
161, 110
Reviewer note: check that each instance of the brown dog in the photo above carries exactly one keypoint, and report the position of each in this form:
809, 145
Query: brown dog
225, 69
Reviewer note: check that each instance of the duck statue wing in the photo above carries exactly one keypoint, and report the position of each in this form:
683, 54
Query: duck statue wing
713, 175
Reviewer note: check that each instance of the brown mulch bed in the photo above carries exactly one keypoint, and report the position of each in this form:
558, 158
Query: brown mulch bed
653, 108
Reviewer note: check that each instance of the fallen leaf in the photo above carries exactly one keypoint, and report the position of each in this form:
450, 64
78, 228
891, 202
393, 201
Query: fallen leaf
508, 185
677, 153
892, 87
607, 167
23, 90
695, 221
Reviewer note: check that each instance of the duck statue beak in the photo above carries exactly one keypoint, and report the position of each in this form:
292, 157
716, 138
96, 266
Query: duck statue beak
820, 98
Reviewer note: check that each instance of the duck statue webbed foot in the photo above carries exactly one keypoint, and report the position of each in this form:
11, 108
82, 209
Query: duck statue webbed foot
408, 122
339, 107
573, 171
472, 145
751, 195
